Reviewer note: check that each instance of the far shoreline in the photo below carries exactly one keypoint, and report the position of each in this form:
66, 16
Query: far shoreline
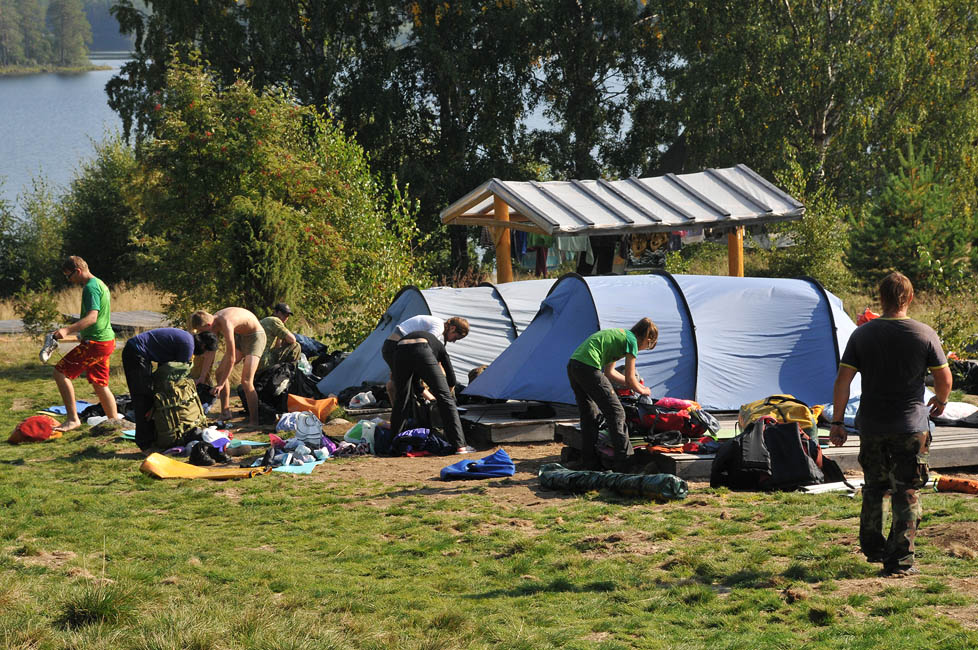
26, 71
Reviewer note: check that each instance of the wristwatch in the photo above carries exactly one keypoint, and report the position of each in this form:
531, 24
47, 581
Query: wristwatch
838, 423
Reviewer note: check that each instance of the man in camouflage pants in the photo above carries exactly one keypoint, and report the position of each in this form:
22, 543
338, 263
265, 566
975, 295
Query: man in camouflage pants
892, 353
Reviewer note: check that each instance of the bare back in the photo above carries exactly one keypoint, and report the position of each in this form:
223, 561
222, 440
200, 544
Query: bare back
236, 320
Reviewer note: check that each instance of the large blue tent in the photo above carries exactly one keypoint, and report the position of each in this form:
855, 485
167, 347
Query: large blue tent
496, 315
723, 341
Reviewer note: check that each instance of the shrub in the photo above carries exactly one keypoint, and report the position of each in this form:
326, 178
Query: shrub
37, 309
96, 202
818, 240
30, 245
251, 198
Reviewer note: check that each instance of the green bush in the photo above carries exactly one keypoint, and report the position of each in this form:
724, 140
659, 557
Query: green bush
30, 245
37, 309
97, 202
818, 240
250, 198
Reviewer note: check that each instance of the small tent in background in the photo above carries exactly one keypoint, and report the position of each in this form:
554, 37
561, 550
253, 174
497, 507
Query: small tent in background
496, 315
723, 341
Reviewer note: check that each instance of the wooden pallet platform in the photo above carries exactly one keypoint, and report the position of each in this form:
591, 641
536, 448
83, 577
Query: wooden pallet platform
952, 447
501, 423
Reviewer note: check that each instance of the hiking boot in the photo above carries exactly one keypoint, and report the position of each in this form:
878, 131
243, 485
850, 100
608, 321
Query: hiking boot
50, 345
899, 572
199, 455
217, 454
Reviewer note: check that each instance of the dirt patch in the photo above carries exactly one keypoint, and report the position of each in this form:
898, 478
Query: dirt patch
957, 539
47, 559
630, 542
21, 404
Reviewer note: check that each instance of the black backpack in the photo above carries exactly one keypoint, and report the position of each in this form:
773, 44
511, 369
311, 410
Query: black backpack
771, 456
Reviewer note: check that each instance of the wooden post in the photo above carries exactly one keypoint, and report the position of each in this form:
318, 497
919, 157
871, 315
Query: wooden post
735, 251
504, 263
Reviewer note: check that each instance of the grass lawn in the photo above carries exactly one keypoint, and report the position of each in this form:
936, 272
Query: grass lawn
378, 553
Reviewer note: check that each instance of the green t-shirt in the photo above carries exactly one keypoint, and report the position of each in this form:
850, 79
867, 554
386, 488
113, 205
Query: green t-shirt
95, 296
605, 346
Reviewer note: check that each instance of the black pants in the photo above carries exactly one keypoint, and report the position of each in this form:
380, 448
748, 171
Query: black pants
414, 361
595, 395
387, 352
139, 378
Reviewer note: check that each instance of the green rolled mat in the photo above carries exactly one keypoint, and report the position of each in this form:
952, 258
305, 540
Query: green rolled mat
661, 486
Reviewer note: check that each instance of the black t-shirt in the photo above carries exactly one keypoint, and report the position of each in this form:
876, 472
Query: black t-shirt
893, 355
438, 349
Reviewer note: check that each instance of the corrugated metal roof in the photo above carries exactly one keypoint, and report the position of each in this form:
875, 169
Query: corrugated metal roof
715, 198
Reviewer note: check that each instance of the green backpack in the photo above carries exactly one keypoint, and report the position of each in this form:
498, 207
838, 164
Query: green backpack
176, 407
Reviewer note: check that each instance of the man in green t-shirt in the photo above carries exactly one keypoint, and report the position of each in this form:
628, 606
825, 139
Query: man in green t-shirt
281, 346
97, 341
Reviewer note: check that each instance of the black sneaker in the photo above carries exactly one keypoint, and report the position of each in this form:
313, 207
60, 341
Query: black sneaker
266, 459
199, 455
217, 454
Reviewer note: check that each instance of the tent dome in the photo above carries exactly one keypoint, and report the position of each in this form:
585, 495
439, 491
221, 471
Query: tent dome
723, 341
496, 315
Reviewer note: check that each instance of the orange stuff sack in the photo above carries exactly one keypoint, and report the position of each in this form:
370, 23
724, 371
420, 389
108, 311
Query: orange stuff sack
321, 408
965, 485
866, 316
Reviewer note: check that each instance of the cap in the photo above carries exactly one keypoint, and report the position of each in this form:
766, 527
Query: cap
283, 308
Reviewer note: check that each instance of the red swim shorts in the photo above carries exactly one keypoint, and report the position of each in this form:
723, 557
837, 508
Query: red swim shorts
91, 357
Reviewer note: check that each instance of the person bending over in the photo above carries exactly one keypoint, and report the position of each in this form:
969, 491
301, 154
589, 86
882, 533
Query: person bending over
454, 329
244, 343
281, 345
591, 371
420, 355
161, 345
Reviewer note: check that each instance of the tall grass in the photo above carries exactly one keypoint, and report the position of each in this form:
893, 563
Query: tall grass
125, 297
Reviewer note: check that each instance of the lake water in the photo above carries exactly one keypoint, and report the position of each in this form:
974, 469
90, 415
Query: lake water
48, 123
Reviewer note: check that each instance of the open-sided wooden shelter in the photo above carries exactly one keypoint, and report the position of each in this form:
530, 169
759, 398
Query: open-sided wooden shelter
729, 198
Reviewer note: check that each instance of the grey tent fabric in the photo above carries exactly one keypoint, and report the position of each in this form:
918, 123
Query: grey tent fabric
496, 315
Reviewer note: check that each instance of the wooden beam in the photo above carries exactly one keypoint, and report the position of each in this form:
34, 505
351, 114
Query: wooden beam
504, 261
735, 251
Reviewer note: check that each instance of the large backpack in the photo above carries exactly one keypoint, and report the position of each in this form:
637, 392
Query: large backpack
176, 407
770, 455
783, 408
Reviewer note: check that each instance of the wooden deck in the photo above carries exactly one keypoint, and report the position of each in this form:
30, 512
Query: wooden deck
952, 447
493, 424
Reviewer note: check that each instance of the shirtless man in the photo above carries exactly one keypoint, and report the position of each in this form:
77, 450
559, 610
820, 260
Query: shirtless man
244, 341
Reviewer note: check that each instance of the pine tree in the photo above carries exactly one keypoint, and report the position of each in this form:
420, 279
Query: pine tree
37, 47
71, 31
912, 227
11, 40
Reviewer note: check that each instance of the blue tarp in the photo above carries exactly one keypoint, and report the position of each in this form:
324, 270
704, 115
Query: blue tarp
495, 314
723, 341
495, 465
